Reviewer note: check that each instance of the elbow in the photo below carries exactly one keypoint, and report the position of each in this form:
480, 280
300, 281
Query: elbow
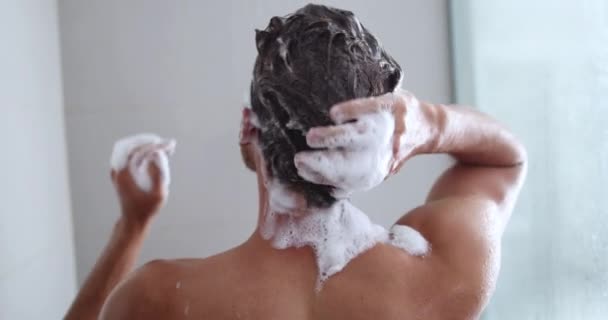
521, 154
519, 166
517, 153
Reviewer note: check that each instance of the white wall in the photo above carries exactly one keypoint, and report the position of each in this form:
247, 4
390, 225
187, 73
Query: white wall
181, 68
37, 273
546, 76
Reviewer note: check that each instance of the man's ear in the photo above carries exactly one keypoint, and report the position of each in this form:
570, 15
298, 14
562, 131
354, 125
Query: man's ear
394, 80
249, 156
249, 127
248, 139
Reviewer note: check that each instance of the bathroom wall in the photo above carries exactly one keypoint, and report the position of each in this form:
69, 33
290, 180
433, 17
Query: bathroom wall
37, 270
546, 77
181, 69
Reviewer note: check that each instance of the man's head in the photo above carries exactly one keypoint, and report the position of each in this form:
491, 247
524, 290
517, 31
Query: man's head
307, 62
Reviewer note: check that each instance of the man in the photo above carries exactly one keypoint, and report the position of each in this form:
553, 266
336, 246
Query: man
309, 64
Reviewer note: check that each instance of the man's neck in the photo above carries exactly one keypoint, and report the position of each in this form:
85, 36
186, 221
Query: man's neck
297, 263
338, 233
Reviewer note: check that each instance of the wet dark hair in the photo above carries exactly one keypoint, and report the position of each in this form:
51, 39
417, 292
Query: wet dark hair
307, 62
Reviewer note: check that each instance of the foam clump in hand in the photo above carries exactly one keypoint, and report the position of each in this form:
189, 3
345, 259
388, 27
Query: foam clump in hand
408, 239
137, 152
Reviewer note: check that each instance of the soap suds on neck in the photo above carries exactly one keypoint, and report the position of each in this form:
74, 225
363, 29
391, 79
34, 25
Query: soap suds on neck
336, 234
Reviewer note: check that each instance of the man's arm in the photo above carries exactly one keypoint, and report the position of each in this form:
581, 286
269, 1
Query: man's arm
119, 256
468, 207
491, 162
115, 262
373, 137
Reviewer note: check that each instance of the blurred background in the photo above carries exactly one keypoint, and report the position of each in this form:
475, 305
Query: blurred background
75, 75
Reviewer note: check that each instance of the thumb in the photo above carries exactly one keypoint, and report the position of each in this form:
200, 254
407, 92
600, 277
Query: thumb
157, 164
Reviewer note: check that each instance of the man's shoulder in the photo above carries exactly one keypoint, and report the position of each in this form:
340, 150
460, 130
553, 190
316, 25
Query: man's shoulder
141, 295
150, 291
462, 230
158, 277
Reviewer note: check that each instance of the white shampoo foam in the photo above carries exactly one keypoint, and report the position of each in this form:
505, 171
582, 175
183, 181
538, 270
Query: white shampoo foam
138, 166
336, 234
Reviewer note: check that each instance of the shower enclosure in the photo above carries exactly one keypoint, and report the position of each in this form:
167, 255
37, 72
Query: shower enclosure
541, 67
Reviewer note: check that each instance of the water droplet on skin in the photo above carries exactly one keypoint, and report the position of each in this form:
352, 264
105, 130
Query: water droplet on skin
187, 309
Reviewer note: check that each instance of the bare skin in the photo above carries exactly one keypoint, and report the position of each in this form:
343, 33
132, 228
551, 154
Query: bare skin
120, 254
463, 219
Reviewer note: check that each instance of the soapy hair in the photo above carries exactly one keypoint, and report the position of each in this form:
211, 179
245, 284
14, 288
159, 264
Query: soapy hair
307, 62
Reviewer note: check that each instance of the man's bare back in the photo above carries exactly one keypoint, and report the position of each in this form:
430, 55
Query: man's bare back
255, 281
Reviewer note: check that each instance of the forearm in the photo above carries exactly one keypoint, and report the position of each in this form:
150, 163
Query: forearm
470, 136
116, 261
